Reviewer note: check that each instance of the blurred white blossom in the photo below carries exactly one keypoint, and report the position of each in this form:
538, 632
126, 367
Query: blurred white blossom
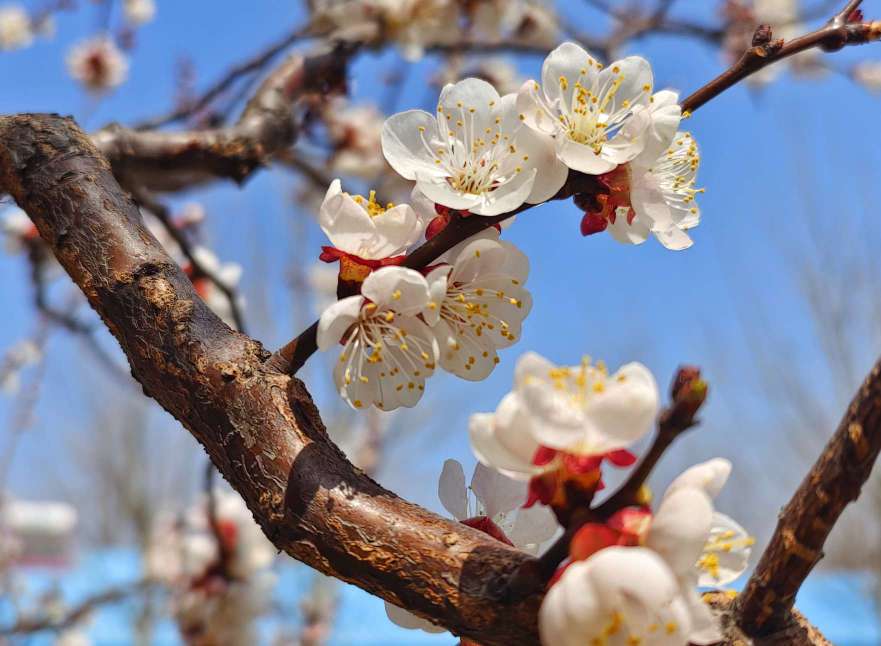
16, 31
98, 64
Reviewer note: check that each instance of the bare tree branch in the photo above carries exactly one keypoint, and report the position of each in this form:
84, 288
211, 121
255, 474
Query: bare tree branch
797, 545
170, 161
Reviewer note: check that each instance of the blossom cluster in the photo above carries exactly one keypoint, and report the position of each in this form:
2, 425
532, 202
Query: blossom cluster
219, 576
417, 25
635, 574
484, 154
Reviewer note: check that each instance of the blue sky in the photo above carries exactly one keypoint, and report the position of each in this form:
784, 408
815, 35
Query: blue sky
766, 158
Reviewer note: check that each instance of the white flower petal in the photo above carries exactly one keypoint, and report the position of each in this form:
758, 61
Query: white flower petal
583, 158
627, 408
408, 620
451, 490
710, 476
502, 440
404, 137
336, 319
438, 189
509, 195
496, 492
680, 529
533, 526
401, 289
731, 547
471, 101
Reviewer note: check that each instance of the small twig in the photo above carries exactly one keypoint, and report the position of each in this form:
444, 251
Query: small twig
30, 625
797, 545
251, 65
833, 36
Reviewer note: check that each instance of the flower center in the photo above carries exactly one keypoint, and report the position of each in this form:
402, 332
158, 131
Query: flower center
370, 204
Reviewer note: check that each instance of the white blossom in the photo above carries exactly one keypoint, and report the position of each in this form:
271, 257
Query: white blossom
649, 594
868, 74
657, 196
366, 228
139, 12
579, 410
620, 593
599, 117
388, 351
98, 64
475, 154
355, 131
229, 274
16, 31
491, 503
17, 228
477, 305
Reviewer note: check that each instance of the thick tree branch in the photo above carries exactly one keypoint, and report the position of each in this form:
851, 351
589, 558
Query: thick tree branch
170, 161
259, 427
797, 545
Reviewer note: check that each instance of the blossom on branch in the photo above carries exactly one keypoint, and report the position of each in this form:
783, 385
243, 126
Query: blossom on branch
475, 155
492, 503
599, 117
653, 194
478, 303
637, 576
560, 424
98, 64
388, 350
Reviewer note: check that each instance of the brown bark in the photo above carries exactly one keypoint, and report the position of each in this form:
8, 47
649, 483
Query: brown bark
833, 483
259, 426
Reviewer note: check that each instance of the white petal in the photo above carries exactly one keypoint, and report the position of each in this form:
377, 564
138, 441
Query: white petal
531, 365
451, 489
732, 547
666, 115
674, 239
508, 196
567, 61
336, 319
636, 75
630, 140
583, 158
437, 290
471, 101
534, 109
502, 440
626, 409
541, 150
498, 493
408, 620
636, 232
680, 529
705, 628
398, 288
533, 526
710, 476
403, 146
439, 190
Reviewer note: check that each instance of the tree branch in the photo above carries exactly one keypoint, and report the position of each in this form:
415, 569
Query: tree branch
797, 545
259, 427
170, 161
836, 34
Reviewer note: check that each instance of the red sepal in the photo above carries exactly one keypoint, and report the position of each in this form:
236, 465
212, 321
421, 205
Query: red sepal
487, 526
593, 223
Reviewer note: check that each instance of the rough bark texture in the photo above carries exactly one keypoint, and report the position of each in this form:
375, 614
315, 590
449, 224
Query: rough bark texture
259, 426
833, 483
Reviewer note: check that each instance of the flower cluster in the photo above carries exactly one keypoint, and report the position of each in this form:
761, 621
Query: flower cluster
493, 504
219, 576
635, 578
402, 323
606, 121
417, 25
